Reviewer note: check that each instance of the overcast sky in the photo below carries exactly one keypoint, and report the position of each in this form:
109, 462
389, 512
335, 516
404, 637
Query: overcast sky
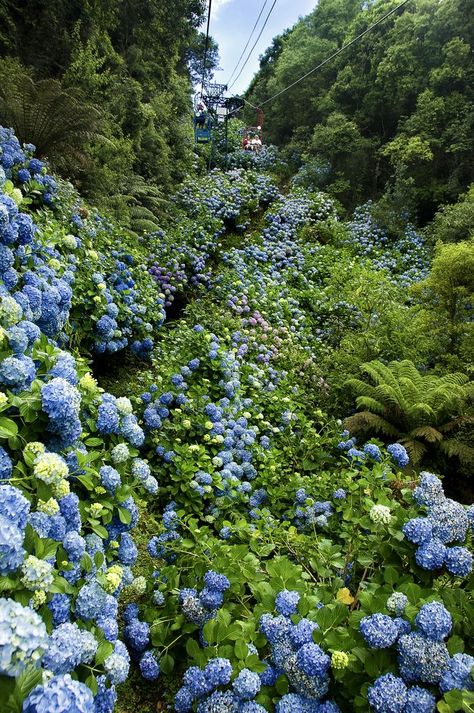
231, 24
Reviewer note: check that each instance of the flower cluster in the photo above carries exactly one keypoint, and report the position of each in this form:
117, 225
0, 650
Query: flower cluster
29, 173
404, 259
199, 607
447, 522
294, 653
423, 658
309, 513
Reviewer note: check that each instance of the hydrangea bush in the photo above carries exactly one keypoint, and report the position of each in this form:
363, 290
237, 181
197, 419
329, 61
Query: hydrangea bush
212, 529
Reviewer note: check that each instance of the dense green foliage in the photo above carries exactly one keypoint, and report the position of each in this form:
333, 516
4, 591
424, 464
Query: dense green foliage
391, 115
127, 59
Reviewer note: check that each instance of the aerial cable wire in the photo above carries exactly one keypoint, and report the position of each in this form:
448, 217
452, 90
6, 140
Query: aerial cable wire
206, 46
255, 43
248, 41
335, 54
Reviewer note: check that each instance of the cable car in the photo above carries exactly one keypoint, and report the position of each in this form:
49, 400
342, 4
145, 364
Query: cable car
252, 139
203, 131
202, 121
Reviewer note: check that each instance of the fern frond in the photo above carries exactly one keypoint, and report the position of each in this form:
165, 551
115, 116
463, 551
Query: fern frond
380, 374
457, 378
141, 213
369, 404
430, 434
387, 394
453, 447
456, 423
416, 450
421, 411
406, 369
144, 226
367, 421
360, 388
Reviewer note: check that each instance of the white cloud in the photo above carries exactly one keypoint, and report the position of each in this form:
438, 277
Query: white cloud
217, 4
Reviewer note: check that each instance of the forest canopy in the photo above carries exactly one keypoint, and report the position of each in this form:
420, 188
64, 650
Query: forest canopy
392, 115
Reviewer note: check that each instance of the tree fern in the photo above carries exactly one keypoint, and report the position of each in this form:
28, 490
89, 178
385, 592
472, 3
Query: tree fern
55, 120
398, 402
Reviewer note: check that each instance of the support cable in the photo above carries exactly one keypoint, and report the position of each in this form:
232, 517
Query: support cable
255, 43
338, 52
206, 46
248, 41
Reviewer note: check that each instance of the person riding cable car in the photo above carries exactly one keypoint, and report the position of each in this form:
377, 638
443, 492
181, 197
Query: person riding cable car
252, 140
202, 123
201, 115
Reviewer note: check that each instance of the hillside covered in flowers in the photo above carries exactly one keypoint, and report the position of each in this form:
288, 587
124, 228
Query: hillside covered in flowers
235, 452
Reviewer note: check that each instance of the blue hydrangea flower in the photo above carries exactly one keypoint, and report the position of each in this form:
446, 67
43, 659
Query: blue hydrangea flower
140, 470
65, 368
60, 693
17, 373
419, 700
218, 672
388, 694
214, 580
117, 665
373, 452
286, 602
14, 506
211, 598
219, 701
421, 659
11, 546
246, 685
457, 674
431, 554
131, 612
183, 700
109, 626
105, 698
93, 602
110, 478
434, 621
449, 521
196, 682
69, 646
302, 632
402, 625
399, 454
313, 660
149, 666
291, 703
60, 607
24, 637
458, 561
418, 530
269, 676
75, 545
396, 603
429, 491
379, 631
128, 551
137, 634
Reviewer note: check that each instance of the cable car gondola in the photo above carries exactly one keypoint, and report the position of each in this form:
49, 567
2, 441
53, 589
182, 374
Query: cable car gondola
252, 138
202, 121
